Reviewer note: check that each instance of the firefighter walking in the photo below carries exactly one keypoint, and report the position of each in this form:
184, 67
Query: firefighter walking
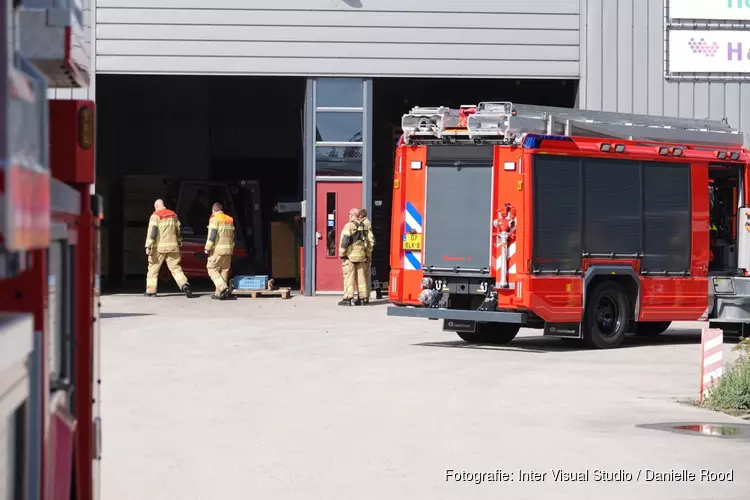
353, 253
163, 241
219, 248
367, 225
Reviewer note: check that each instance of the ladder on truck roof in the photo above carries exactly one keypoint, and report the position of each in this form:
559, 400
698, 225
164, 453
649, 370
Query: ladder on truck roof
508, 123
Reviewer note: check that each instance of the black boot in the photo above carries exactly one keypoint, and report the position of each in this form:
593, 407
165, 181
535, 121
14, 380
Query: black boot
149, 294
357, 303
345, 302
186, 289
225, 294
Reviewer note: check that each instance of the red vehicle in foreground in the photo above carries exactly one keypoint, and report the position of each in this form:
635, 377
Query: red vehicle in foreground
49, 264
588, 225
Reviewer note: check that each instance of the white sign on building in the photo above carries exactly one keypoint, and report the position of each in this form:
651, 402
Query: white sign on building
711, 10
708, 51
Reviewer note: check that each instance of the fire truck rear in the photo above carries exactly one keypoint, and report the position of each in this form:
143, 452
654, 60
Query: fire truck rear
588, 225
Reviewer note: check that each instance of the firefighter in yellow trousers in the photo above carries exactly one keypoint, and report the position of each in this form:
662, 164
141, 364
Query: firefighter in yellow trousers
353, 253
163, 241
220, 247
370, 245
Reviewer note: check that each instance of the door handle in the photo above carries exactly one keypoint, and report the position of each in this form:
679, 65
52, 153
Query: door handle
318, 236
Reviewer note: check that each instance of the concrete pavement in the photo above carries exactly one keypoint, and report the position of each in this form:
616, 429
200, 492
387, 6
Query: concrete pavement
302, 399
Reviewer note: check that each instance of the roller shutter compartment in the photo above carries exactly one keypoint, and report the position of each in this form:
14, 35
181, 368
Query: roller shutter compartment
557, 213
458, 219
666, 216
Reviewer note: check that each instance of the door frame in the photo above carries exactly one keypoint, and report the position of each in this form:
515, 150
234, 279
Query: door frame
309, 204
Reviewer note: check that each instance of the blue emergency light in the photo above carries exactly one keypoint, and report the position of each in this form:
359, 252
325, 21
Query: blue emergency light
534, 141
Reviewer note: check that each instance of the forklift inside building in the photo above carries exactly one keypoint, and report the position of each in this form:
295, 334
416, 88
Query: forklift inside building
193, 141
394, 97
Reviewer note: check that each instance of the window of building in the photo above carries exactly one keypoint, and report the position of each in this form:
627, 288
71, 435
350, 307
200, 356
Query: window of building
338, 161
338, 127
339, 93
339, 123
331, 224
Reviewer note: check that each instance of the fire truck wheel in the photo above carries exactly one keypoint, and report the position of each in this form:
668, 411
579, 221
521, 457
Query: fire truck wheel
501, 333
477, 337
606, 318
651, 328
491, 333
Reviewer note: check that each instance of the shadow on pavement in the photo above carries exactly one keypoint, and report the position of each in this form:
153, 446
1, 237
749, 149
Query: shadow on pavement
516, 345
168, 287
106, 315
377, 302
543, 345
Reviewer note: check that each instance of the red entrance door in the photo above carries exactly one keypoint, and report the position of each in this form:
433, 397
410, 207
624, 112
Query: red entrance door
333, 200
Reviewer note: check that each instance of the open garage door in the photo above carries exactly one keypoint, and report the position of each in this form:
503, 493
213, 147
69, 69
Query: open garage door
194, 141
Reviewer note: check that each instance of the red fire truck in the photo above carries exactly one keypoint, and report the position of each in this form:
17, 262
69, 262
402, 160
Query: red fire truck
49, 260
588, 225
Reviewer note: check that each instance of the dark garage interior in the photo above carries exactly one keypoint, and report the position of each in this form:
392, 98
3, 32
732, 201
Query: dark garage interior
195, 139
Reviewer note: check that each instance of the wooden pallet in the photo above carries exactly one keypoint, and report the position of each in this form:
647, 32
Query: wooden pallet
284, 293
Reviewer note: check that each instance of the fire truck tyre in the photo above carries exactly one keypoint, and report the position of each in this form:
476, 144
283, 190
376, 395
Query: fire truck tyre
500, 333
491, 333
651, 328
477, 337
606, 321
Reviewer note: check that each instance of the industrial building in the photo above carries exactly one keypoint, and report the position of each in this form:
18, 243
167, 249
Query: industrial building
289, 112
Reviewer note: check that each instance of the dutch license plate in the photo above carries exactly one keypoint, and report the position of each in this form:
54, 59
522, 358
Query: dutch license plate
412, 241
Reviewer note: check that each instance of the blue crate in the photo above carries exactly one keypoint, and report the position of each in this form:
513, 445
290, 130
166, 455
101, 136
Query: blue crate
257, 282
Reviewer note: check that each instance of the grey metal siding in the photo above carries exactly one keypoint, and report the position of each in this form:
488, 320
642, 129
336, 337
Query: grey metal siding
622, 67
89, 23
434, 38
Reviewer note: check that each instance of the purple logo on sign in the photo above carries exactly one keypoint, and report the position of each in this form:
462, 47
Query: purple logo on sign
703, 47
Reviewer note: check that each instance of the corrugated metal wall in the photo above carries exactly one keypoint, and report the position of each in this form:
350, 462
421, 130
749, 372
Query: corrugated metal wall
487, 38
89, 23
622, 69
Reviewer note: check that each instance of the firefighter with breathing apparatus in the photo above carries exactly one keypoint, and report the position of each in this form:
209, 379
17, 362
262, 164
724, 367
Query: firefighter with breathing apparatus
353, 252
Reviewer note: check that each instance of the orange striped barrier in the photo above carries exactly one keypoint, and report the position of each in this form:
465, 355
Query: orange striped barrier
712, 359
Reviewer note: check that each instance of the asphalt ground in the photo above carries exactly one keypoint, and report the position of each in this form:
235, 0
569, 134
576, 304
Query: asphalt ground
303, 399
